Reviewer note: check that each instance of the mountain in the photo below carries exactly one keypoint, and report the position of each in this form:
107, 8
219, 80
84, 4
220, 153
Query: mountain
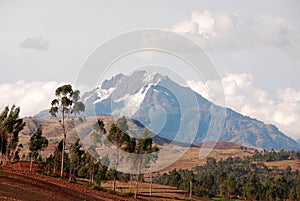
177, 113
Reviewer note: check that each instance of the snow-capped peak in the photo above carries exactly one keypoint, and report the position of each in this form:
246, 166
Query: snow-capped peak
126, 92
152, 77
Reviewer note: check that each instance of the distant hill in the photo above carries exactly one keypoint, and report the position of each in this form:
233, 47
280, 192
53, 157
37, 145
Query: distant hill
226, 146
54, 134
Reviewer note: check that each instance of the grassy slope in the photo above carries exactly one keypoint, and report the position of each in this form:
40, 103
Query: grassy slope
190, 159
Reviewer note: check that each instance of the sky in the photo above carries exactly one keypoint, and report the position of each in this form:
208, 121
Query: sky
254, 45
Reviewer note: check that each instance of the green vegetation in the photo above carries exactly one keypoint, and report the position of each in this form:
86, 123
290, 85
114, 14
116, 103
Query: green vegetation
80, 163
37, 144
145, 152
267, 156
65, 108
118, 136
10, 126
237, 178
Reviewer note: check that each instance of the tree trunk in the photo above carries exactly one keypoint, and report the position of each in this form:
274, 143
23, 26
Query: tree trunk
115, 176
130, 183
70, 177
138, 175
8, 149
2, 160
91, 181
136, 186
64, 143
191, 189
150, 184
62, 157
30, 163
114, 184
93, 174
2, 149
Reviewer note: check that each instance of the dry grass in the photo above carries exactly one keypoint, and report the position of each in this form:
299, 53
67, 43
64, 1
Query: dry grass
159, 192
191, 158
294, 164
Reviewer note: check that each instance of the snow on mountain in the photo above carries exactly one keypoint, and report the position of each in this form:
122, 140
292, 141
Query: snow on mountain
177, 112
131, 103
103, 94
124, 94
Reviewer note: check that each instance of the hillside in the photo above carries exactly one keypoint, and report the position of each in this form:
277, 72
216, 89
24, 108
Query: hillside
189, 158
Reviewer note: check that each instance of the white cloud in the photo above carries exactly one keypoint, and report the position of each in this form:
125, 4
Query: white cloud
242, 95
223, 31
37, 43
32, 97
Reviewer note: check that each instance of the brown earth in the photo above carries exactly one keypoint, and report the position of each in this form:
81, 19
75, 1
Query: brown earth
191, 158
25, 165
23, 185
18, 185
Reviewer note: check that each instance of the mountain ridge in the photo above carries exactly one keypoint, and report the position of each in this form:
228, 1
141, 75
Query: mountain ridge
167, 108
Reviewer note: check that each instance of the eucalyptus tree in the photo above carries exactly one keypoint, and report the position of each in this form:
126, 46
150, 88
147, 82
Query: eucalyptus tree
37, 143
65, 108
10, 126
75, 154
145, 153
120, 139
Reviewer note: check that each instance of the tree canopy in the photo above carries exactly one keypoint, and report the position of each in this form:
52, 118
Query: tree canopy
10, 126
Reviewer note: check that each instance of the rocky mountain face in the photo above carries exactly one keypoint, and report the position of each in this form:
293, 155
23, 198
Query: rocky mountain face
178, 113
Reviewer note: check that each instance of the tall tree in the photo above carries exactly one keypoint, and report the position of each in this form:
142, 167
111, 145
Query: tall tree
75, 156
130, 148
119, 138
145, 153
253, 187
101, 170
37, 143
57, 156
10, 126
230, 185
65, 107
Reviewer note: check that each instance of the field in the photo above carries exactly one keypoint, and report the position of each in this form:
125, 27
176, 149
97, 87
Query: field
220, 199
191, 158
294, 164
22, 185
159, 192
16, 185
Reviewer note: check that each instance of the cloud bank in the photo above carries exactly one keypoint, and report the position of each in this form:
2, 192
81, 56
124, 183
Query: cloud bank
32, 97
37, 43
216, 31
243, 96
